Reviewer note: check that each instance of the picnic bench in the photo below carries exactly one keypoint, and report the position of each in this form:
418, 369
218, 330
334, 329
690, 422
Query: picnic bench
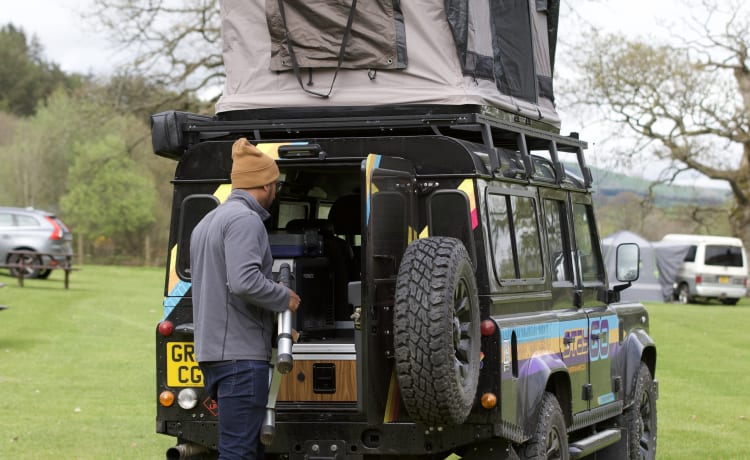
24, 260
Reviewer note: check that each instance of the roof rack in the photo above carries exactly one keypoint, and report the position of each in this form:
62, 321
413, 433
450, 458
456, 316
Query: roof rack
173, 132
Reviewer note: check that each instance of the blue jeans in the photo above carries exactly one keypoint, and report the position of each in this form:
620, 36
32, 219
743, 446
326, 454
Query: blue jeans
241, 390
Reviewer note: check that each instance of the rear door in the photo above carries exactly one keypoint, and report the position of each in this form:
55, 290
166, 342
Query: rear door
389, 213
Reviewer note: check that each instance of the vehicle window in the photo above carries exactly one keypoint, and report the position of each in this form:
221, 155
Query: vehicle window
26, 221
192, 210
559, 256
587, 251
291, 210
725, 256
515, 236
690, 256
6, 220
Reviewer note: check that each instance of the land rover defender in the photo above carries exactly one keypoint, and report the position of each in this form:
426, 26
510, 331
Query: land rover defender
454, 298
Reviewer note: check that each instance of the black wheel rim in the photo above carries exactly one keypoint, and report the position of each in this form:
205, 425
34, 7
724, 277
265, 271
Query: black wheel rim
462, 335
648, 427
554, 450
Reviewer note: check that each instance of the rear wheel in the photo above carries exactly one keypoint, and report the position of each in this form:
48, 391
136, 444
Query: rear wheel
683, 294
640, 418
436, 331
26, 259
729, 301
550, 439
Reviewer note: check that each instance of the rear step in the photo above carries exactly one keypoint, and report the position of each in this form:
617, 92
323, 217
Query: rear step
598, 441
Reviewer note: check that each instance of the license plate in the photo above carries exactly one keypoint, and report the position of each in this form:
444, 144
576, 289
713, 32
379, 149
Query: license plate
182, 370
723, 279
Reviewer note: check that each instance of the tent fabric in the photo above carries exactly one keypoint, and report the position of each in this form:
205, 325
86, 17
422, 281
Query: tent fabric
659, 264
494, 53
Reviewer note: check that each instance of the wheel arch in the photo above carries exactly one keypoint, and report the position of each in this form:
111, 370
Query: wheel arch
638, 347
544, 373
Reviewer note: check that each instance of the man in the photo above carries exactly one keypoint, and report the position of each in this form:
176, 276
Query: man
235, 301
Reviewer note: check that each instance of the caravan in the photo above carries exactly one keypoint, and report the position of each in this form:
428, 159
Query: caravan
715, 267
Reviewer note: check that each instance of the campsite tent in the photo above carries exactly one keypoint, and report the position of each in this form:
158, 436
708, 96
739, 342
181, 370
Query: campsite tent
323, 53
659, 264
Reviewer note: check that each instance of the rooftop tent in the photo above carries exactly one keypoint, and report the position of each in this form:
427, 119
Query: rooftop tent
659, 264
341, 53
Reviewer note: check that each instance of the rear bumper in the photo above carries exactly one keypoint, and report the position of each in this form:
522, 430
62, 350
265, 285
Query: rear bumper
720, 291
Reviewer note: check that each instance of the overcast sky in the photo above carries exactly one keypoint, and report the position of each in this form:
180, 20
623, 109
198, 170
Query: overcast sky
69, 41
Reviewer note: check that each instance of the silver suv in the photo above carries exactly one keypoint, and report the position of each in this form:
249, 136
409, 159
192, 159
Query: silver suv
33, 230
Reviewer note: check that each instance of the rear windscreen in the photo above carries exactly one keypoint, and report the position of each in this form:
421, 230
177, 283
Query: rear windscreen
726, 256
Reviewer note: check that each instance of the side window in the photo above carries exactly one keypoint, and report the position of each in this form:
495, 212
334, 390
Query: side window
587, 243
559, 255
515, 237
192, 210
690, 256
26, 221
6, 220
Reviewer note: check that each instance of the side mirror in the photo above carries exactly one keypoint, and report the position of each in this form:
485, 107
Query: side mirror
627, 262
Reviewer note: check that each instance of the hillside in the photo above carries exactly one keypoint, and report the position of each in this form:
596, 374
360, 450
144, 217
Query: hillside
608, 184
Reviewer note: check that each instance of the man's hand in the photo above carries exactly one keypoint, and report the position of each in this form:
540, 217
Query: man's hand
294, 301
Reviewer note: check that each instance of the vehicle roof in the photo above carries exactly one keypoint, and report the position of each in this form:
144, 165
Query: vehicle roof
705, 239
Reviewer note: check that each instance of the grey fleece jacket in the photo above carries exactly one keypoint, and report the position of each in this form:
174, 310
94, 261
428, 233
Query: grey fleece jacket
234, 296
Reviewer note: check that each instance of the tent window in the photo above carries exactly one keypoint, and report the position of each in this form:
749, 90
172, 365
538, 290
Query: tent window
316, 28
513, 48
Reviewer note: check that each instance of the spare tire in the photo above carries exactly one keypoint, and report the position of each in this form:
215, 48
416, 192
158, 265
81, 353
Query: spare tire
436, 331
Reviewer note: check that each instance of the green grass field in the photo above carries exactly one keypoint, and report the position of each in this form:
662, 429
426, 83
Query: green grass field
77, 370
77, 366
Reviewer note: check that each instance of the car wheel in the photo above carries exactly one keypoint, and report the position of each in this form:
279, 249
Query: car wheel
640, 418
729, 301
27, 259
550, 439
44, 274
683, 294
436, 331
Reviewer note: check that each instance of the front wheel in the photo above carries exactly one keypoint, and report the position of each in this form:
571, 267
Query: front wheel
640, 418
436, 331
550, 439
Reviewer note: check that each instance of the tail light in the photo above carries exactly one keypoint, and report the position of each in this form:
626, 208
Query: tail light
698, 279
57, 231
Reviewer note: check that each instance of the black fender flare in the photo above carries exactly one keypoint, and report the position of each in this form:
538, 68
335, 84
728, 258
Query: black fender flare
535, 380
637, 347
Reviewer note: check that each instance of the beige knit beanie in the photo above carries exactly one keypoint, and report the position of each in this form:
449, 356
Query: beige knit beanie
250, 167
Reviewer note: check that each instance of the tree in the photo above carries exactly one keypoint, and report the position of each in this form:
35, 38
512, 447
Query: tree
178, 42
26, 78
109, 196
688, 103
